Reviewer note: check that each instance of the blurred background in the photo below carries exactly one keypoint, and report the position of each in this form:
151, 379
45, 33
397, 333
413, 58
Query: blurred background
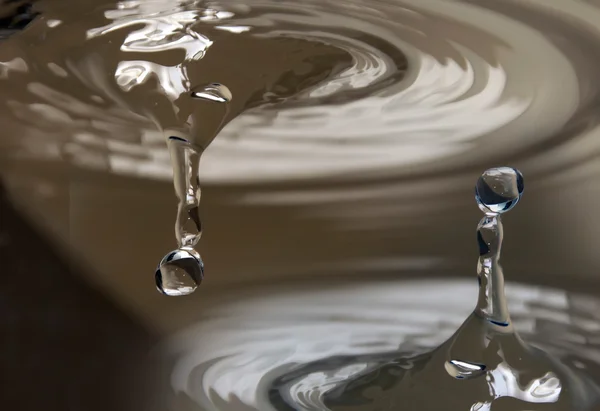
355, 135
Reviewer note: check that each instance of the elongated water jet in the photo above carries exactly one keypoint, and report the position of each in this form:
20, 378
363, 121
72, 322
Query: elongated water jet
181, 271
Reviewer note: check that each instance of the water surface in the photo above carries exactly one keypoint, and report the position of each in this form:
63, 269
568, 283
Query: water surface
355, 134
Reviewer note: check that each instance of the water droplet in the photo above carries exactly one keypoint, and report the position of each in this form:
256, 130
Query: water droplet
179, 272
212, 92
499, 189
464, 369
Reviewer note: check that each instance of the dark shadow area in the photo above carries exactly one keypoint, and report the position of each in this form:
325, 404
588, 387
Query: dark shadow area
15, 15
63, 345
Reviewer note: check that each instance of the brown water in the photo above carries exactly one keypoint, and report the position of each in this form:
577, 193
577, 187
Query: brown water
363, 128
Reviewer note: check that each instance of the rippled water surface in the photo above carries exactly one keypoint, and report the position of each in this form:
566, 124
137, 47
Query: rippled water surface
354, 136
252, 350
386, 87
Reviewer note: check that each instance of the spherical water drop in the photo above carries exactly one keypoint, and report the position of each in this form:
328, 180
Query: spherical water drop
179, 272
212, 92
499, 189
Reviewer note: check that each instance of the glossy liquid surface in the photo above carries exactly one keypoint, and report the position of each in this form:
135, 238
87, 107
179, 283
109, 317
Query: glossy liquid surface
350, 146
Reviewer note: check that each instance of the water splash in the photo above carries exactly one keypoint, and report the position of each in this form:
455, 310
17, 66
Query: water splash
497, 191
498, 353
486, 359
374, 352
438, 47
181, 271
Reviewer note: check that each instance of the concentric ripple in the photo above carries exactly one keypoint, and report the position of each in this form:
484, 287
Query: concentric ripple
235, 357
391, 87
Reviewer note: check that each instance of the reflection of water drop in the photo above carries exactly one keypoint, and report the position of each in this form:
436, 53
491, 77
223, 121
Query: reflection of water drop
179, 272
499, 189
464, 369
212, 92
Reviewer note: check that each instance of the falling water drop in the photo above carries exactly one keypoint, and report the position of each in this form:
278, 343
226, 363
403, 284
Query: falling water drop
181, 271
